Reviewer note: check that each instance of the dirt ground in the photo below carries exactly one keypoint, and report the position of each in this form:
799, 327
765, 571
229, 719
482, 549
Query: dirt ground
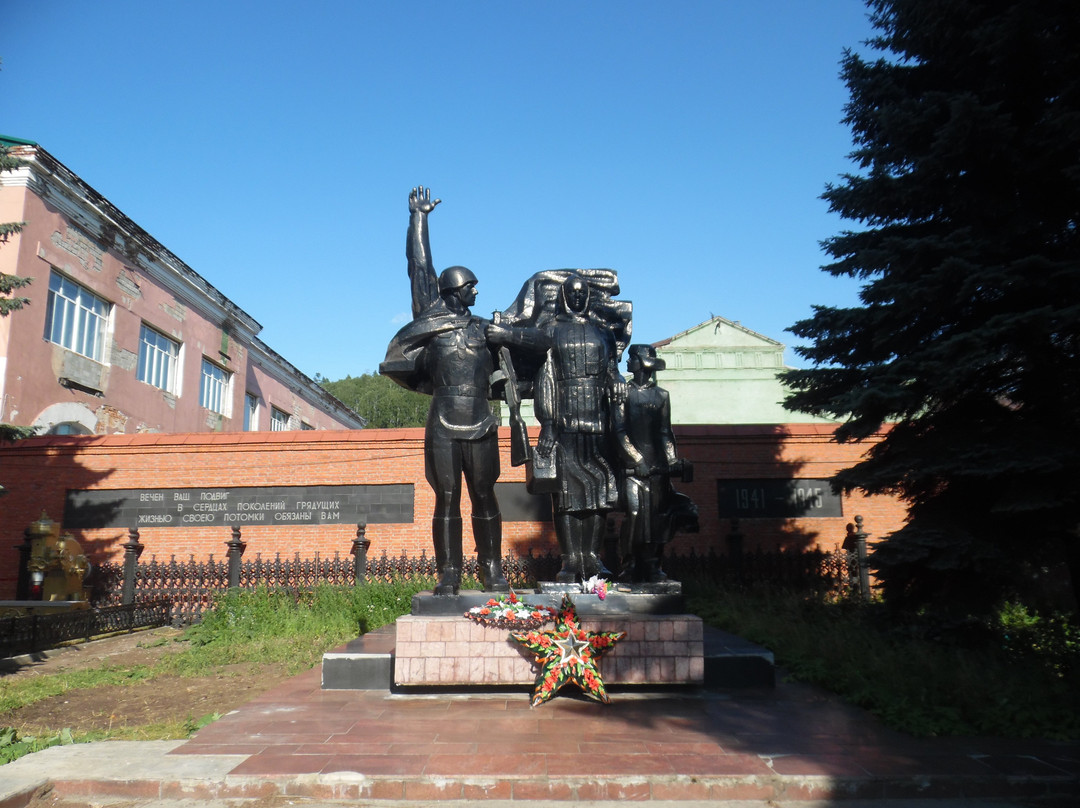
157, 701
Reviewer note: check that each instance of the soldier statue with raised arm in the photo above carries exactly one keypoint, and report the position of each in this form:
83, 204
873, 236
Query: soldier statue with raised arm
444, 352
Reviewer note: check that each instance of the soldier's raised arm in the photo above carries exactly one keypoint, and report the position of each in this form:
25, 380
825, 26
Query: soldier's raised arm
424, 280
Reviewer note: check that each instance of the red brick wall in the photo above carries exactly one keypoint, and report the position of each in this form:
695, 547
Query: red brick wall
39, 471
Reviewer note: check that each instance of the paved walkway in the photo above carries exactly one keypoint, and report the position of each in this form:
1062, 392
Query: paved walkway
793, 743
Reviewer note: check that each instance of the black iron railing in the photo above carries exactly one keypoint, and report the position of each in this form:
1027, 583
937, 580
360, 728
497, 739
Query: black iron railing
25, 634
191, 585
137, 593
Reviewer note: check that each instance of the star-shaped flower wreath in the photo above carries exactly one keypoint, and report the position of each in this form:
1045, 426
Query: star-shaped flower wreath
568, 653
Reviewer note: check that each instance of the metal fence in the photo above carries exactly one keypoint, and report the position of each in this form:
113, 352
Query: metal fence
191, 586
138, 594
152, 593
25, 634
835, 571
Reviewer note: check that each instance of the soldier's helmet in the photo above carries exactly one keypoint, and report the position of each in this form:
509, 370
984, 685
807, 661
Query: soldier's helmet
454, 278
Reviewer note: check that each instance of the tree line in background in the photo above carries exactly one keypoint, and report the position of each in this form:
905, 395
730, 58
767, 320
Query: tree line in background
383, 403
966, 348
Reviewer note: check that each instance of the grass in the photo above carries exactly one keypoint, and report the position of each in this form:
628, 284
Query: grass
1015, 676
292, 630
16, 694
256, 627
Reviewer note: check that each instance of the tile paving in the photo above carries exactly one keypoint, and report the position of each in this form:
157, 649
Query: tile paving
791, 742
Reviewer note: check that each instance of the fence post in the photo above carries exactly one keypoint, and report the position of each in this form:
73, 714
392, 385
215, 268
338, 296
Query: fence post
861, 558
359, 550
735, 549
234, 554
132, 550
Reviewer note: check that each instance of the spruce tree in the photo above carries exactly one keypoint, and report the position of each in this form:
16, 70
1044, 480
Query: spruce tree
8, 302
9, 283
966, 348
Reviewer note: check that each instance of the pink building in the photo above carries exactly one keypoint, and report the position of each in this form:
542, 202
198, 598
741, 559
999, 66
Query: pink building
120, 335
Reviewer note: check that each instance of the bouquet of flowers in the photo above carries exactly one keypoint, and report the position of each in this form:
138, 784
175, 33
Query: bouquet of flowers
595, 586
511, 612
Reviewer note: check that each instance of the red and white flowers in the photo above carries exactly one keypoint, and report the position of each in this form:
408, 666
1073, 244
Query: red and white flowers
511, 612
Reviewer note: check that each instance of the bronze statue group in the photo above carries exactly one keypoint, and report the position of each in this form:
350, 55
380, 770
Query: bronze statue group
605, 442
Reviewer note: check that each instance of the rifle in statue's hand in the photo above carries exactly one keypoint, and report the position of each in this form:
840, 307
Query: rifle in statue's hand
520, 450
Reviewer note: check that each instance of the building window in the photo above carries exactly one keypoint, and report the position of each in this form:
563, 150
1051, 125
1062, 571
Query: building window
68, 428
251, 413
279, 421
158, 357
306, 425
76, 318
214, 390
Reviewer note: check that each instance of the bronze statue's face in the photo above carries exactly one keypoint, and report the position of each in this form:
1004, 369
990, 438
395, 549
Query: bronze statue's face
576, 294
467, 293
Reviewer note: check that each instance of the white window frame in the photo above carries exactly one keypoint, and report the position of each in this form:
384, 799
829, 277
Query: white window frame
279, 420
251, 412
159, 360
215, 386
76, 318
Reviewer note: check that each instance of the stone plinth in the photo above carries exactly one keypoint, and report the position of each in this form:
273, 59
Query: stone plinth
617, 603
433, 650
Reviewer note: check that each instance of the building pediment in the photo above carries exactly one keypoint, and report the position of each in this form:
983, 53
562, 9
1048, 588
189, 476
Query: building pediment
719, 334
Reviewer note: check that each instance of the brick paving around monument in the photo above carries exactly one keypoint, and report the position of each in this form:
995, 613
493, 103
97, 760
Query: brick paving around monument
794, 742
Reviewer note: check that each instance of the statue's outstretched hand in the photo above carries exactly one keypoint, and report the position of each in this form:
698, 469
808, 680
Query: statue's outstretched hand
546, 442
497, 334
420, 200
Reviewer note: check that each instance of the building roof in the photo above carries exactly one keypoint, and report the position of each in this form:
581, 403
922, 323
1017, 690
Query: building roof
167, 267
7, 140
715, 323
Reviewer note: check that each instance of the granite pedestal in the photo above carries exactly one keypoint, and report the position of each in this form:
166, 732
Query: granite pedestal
436, 647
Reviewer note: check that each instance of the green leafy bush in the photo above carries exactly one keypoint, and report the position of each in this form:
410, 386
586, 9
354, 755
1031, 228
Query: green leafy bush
12, 747
1016, 676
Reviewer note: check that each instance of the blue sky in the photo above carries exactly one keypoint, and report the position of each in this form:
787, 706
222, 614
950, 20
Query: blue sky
272, 145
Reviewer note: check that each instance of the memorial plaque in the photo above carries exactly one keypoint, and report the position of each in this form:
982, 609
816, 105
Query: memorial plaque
275, 505
777, 499
518, 505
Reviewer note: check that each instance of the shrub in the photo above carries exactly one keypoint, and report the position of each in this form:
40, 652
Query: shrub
1013, 676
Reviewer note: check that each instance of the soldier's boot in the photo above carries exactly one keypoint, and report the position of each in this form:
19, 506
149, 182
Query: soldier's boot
488, 534
593, 546
650, 564
569, 532
446, 533
627, 564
